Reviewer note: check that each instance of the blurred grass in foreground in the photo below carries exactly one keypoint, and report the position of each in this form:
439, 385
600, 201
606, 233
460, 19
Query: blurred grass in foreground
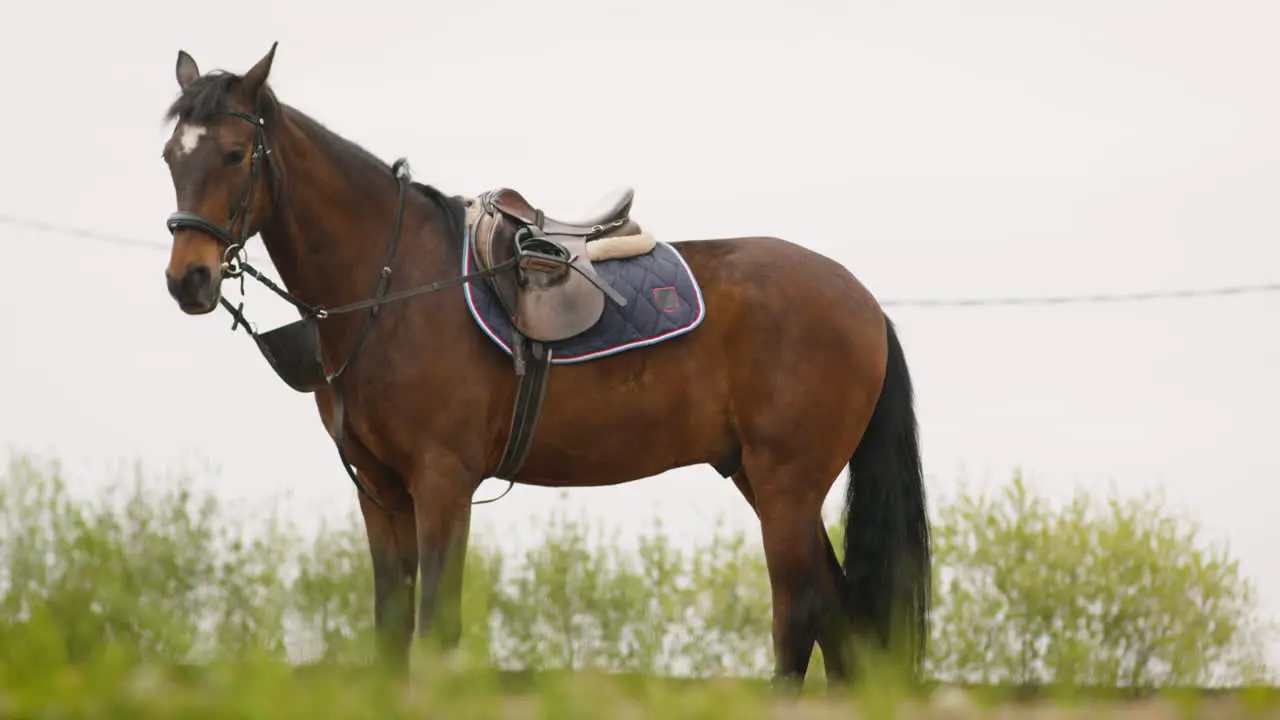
113, 687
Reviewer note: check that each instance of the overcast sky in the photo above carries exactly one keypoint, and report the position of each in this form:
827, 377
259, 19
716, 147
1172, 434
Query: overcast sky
938, 149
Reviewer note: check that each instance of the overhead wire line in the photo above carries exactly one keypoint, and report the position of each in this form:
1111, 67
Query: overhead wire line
993, 301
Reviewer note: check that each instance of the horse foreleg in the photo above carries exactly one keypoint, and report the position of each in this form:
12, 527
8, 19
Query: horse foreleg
442, 507
393, 546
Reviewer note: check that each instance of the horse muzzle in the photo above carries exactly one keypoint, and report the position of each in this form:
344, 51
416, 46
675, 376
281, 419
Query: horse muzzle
196, 290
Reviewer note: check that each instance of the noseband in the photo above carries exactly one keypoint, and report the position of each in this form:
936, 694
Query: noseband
293, 350
234, 253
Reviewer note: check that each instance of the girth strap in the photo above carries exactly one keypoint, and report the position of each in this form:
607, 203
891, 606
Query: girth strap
528, 406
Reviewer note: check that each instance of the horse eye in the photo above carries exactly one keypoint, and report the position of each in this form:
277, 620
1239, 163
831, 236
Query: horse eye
235, 157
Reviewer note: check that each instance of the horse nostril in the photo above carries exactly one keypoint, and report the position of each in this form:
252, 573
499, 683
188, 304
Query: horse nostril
196, 279
188, 289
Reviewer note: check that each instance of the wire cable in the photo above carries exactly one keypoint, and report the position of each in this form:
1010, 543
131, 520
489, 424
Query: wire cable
1145, 296
995, 301
57, 229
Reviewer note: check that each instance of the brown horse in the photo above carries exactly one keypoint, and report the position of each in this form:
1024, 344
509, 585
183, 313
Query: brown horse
780, 369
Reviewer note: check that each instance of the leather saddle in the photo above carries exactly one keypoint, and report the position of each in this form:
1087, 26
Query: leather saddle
553, 292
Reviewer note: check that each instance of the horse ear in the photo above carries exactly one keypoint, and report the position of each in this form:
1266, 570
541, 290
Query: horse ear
252, 82
187, 70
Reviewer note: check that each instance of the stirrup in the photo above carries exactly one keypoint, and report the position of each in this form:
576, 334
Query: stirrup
536, 251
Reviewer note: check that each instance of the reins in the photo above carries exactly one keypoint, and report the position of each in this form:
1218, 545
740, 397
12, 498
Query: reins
235, 265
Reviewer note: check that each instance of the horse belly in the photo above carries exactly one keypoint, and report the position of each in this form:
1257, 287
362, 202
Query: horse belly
631, 416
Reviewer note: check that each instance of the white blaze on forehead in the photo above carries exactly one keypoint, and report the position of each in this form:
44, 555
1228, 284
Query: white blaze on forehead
189, 137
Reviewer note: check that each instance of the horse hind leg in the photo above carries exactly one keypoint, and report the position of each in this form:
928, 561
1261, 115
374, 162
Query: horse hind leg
833, 631
837, 630
805, 596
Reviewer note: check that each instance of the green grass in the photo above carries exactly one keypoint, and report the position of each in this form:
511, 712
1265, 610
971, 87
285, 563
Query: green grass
110, 687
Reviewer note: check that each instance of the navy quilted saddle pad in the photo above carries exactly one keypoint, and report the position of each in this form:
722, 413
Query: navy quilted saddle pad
663, 301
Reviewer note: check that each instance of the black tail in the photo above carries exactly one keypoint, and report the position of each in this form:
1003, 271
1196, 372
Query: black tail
886, 541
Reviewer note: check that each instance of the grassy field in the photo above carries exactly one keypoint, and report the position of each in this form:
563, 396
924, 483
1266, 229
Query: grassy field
274, 690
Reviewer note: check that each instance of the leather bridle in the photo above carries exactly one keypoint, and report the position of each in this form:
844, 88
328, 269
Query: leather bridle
241, 211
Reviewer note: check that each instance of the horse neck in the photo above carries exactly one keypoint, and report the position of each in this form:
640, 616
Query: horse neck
329, 233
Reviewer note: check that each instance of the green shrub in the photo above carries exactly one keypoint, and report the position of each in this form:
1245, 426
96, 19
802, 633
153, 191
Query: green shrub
575, 603
1116, 592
